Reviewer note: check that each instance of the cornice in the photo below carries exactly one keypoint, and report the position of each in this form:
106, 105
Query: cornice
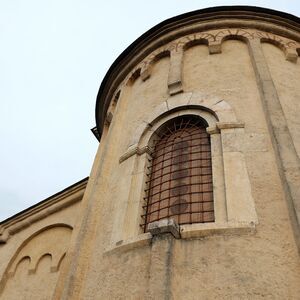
263, 19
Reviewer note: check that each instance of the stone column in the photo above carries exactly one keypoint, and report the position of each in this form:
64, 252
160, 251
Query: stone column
288, 160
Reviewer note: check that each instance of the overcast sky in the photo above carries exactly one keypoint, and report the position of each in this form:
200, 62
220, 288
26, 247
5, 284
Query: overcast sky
53, 56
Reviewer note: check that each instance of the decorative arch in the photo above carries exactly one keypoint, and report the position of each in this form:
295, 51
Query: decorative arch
60, 261
226, 138
60, 234
203, 38
33, 271
195, 42
233, 37
239, 34
213, 39
147, 64
144, 69
276, 42
150, 129
159, 55
215, 107
134, 75
215, 47
24, 258
289, 47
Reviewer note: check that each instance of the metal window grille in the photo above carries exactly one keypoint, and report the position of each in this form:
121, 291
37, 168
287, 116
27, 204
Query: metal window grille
179, 183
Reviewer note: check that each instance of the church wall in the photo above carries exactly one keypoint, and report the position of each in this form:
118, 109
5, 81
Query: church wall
32, 257
264, 263
229, 76
240, 266
286, 76
142, 97
93, 246
126, 274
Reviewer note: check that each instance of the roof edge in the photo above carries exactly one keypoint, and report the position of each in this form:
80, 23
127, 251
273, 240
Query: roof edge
52, 199
289, 20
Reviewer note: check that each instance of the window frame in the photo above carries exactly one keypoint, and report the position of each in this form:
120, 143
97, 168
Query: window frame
233, 202
191, 214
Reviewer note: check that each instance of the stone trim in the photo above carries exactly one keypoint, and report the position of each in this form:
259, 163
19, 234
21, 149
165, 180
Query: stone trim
233, 203
287, 158
134, 150
213, 39
164, 226
55, 264
213, 107
209, 229
188, 231
230, 125
212, 130
285, 37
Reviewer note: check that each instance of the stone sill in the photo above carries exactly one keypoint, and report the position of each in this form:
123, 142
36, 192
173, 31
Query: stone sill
190, 231
132, 243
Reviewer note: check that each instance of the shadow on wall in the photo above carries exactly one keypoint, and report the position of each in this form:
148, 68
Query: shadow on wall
33, 271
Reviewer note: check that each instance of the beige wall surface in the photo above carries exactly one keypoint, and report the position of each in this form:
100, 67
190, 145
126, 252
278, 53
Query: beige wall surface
35, 269
264, 264
286, 76
32, 258
142, 97
229, 76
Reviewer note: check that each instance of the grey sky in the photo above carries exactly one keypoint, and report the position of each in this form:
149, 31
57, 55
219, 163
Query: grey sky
53, 56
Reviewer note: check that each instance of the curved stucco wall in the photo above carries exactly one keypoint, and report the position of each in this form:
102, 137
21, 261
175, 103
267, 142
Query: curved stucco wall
237, 264
286, 77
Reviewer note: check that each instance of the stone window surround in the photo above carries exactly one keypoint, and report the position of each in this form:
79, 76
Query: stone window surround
233, 203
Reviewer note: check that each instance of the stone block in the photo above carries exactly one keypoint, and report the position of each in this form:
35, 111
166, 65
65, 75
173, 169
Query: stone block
164, 226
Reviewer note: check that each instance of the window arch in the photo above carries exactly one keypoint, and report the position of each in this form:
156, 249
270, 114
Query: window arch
179, 183
233, 204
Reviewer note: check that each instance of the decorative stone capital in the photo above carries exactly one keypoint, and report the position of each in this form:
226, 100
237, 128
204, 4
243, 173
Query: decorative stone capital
212, 130
133, 151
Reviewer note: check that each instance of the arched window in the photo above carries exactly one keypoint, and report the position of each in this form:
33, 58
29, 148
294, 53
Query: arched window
180, 183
